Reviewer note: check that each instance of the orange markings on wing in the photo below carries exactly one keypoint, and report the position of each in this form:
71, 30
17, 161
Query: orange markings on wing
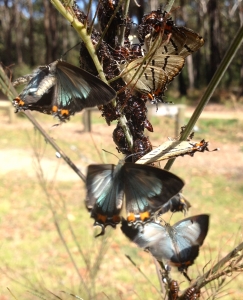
131, 218
20, 101
101, 218
54, 108
65, 112
142, 216
168, 27
150, 96
187, 263
145, 215
116, 219
158, 92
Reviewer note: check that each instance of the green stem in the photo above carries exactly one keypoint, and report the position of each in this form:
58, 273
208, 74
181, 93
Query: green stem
230, 54
123, 27
169, 5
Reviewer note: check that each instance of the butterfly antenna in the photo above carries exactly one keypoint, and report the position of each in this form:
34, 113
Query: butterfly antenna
171, 216
65, 53
110, 153
184, 272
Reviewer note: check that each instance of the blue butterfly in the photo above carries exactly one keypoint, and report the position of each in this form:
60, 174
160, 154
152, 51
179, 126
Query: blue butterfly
178, 245
62, 89
144, 188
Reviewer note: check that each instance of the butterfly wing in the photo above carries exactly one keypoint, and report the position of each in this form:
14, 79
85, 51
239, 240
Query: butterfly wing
171, 64
193, 229
78, 89
176, 204
146, 189
175, 43
152, 236
35, 98
152, 75
143, 78
178, 244
62, 89
188, 235
104, 194
32, 86
193, 42
183, 42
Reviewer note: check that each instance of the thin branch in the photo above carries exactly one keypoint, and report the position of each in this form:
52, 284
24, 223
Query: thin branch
215, 273
169, 5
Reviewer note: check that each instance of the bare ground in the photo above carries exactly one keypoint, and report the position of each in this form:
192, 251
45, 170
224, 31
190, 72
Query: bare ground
229, 160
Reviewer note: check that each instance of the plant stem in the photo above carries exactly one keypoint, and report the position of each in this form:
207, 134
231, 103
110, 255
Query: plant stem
82, 32
169, 5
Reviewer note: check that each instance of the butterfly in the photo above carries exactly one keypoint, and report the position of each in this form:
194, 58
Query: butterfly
174, 148
177, 203
183, 42
158, 30
150, 76
178, 245
144, 188
62, 89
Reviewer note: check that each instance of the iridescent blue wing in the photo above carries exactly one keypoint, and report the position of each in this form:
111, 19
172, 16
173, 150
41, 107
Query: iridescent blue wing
187, 236
29, 92
78, 89
104, 194
178, 244
62, 89
38, 93
193, 229
152, 236
147, 189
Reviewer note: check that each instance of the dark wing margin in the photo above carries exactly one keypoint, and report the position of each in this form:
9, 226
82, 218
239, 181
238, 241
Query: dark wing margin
104, 195
84, 89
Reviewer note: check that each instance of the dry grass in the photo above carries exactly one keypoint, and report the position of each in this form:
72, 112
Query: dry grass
32, 255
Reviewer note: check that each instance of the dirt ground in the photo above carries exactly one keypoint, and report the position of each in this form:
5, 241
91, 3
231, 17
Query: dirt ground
229, 160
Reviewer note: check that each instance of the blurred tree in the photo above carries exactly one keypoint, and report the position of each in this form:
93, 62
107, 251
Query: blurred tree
214, 34
32, 33
51, 32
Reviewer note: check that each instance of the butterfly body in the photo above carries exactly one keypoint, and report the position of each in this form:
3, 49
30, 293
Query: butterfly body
62, 89
174, 148
178, 245
178, 203
139, 189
